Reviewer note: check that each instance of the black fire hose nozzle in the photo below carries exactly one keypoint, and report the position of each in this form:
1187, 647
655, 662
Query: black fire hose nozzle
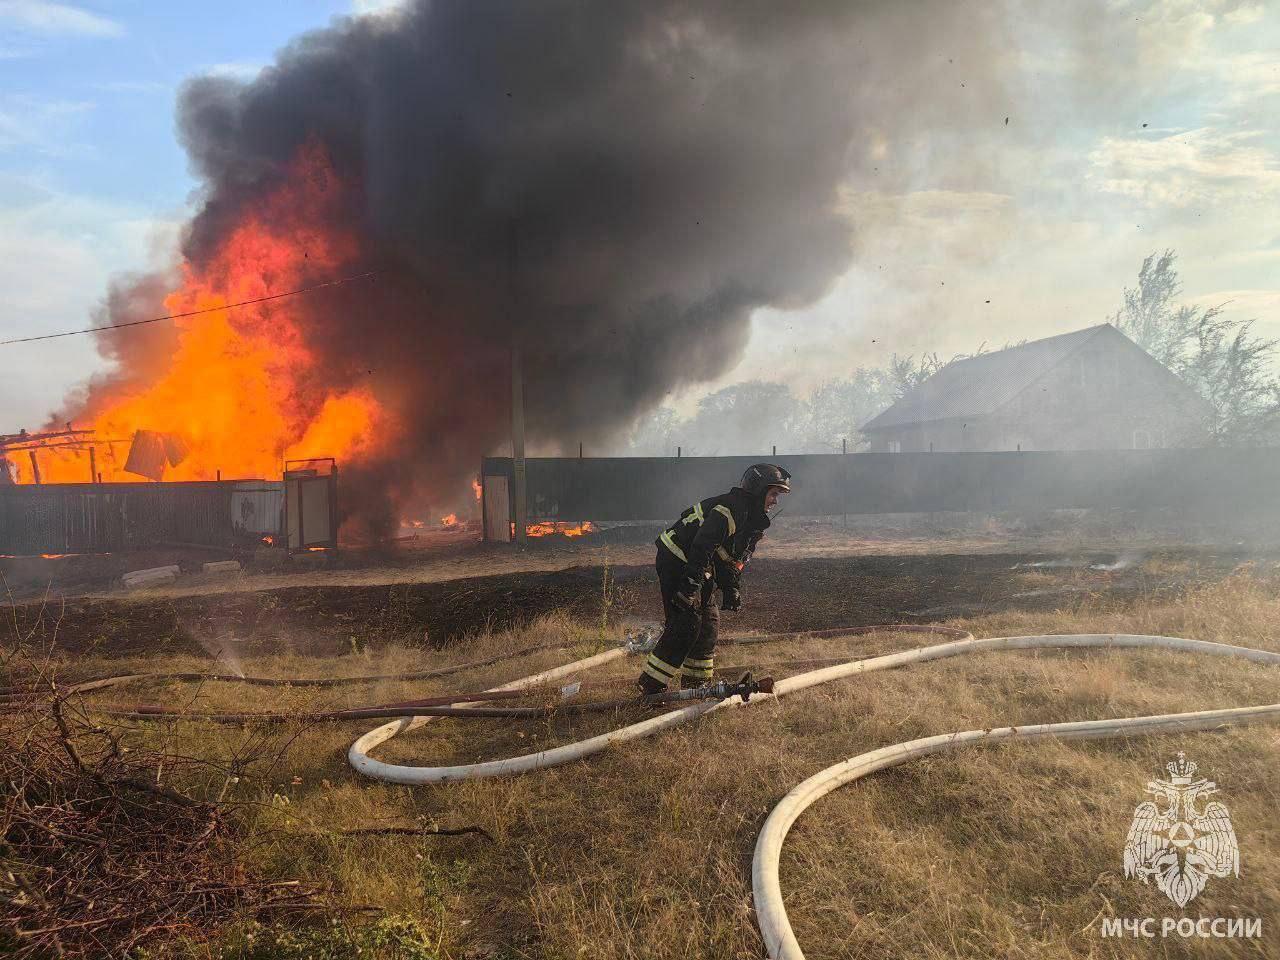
746, 686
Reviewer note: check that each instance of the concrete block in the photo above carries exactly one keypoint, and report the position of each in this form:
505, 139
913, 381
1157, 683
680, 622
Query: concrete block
222, 567
150, 571
154, 577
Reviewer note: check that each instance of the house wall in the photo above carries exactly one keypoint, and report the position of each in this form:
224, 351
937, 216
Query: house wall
1109, 396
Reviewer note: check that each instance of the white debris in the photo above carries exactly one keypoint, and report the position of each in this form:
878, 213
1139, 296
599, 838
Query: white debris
642, 640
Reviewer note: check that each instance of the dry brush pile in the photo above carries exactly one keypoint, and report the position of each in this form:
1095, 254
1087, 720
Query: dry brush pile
99, 854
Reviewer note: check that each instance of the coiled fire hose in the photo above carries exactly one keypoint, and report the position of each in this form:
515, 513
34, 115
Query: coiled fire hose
771, 914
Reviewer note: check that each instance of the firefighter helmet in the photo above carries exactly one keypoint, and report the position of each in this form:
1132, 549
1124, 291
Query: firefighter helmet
761, 476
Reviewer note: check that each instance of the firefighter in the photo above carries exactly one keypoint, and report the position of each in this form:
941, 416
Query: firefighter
703, 551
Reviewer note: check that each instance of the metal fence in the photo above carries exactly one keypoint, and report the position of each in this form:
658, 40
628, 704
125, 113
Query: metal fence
106, 517
1211, 485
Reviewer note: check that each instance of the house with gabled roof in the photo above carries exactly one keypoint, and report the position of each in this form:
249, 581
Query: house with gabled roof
1094, 389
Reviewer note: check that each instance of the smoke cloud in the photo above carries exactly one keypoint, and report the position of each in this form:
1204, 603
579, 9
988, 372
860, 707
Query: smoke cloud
619, 185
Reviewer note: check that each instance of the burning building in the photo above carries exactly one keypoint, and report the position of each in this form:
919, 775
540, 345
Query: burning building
614, 187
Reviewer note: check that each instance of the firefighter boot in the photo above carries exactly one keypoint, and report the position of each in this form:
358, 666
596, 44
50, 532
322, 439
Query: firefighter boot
650, 685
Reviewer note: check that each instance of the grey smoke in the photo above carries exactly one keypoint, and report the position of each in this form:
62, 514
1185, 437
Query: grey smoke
621, 183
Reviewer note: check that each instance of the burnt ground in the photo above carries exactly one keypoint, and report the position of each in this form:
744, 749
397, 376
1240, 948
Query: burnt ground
781, 594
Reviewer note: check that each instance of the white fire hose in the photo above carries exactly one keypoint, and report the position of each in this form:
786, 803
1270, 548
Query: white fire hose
771, 913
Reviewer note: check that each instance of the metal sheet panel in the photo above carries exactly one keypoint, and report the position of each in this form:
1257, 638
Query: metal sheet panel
1214, 485
497, 508
257, 508
98, 518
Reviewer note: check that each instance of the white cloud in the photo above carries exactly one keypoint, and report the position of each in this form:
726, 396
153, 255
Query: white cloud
363, 7
57, 252
1244, 15
44, 16
1188, 169
236, 70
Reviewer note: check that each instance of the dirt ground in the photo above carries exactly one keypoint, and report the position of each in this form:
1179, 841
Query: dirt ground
336, 611
439, 555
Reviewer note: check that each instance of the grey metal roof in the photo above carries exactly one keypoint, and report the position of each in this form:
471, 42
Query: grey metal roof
981, 385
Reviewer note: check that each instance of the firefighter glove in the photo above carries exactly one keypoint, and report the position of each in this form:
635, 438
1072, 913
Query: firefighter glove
689, 592
732, 599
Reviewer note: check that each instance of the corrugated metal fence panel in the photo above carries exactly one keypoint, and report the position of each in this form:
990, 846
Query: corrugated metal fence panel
257, 507
33, 524
99, 518
1205, 484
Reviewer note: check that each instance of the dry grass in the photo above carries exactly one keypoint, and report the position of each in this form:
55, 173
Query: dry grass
645, 851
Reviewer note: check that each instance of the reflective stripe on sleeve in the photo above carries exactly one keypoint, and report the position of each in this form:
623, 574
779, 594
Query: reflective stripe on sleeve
733, 527
672, 546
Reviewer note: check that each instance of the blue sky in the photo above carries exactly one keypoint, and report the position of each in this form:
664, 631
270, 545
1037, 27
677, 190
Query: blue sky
88, 90
1142, 125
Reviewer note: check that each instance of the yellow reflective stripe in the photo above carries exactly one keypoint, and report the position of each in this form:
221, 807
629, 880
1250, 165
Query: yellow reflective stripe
671, 545
658, 675
695, 673
694, 661
733, 527
695, 514
723, 554
660, 670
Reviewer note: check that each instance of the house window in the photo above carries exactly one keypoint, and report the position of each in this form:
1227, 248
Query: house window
895, 446
1141, 440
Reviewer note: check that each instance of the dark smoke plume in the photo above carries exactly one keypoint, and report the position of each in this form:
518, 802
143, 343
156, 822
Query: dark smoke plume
619, 183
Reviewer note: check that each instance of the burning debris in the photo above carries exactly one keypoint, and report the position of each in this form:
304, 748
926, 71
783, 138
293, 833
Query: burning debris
551, 528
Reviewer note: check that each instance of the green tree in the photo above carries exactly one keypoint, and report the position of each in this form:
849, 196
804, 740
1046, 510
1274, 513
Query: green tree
1221, 358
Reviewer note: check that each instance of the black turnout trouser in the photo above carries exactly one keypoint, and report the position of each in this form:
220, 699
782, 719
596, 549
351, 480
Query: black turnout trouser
688, 642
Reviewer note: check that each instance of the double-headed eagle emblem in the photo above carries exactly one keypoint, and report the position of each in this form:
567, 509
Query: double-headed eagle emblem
1174, 843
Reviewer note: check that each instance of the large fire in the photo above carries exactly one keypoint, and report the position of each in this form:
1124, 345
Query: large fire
239, 390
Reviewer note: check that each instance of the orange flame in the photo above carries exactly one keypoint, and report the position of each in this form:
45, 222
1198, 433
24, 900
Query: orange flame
477, 488
549, 528
239, 389
450, 521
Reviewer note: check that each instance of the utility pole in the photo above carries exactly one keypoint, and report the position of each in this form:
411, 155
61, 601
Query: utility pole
517, 404
517, 444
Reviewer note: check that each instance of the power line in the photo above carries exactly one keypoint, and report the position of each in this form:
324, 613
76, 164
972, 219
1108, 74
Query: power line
194, 313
